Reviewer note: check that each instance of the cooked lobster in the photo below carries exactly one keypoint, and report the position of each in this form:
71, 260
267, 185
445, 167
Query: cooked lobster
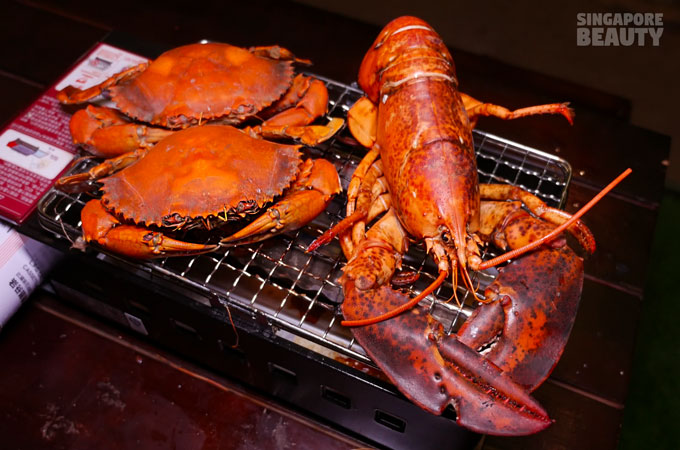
418, 182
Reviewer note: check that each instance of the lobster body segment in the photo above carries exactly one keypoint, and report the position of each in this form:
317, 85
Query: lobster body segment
423, 131
418, 182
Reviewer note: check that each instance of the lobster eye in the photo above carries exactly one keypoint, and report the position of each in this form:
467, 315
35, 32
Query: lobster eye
446, 237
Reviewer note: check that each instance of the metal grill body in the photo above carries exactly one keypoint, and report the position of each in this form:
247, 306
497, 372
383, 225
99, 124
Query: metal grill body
296, 295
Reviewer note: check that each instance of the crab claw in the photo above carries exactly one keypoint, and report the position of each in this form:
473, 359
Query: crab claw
130, 240
308, 135
106, 133
434, 370
307, 198
306, 100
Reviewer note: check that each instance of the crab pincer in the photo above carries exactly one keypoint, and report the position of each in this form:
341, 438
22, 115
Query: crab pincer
308, 197
138, 242
107, 133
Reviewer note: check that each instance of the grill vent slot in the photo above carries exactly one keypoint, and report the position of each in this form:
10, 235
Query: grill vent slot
186, 329
336, 397
390, 421
282, 373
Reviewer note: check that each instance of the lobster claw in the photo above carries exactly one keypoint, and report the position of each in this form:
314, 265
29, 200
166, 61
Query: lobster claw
538, 297
434, 370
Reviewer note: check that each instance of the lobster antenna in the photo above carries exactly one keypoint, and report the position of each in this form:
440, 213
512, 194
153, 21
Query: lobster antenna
454, 286
400, 309
469, 285
550, 236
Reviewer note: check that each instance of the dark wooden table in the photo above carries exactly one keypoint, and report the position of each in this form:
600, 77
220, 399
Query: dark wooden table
587, 392
75, 383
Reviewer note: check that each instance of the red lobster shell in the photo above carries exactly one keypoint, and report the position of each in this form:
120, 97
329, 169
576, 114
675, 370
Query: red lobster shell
419, 182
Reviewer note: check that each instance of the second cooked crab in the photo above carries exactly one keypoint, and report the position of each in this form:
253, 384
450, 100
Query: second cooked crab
201, 177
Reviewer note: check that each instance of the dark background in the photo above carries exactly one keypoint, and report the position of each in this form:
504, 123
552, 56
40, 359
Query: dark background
516, 34
541, 36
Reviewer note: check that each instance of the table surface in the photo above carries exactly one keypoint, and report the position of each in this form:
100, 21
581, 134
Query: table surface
587, 391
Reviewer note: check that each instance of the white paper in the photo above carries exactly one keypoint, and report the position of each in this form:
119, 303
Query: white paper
23, 263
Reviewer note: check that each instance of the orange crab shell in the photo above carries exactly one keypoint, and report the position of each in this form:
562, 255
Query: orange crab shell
201, 172
198, 82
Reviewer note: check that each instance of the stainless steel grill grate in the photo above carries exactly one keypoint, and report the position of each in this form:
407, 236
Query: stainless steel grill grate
298, 293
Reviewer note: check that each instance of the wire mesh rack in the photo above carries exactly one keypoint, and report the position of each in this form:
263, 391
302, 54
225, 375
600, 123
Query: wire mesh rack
298, 292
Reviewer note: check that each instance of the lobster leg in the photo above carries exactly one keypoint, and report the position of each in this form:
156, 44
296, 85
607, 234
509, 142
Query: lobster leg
106, 133
540, 209
352, 193
134, 241
475, 109
362, 119
413, 346
70, 94
362, 200
306, 199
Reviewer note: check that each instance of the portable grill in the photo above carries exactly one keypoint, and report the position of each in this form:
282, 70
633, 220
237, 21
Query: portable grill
282, 304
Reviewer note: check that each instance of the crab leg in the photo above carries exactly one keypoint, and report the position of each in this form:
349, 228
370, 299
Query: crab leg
277, 52
106, 133
70, 94
80, 181
289, 117
307, 198
130, 240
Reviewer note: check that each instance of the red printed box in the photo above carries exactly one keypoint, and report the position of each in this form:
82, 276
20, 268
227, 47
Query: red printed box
36, 148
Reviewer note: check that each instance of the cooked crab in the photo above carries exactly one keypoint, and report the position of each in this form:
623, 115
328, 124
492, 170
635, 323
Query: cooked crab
202, 177
194, 84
